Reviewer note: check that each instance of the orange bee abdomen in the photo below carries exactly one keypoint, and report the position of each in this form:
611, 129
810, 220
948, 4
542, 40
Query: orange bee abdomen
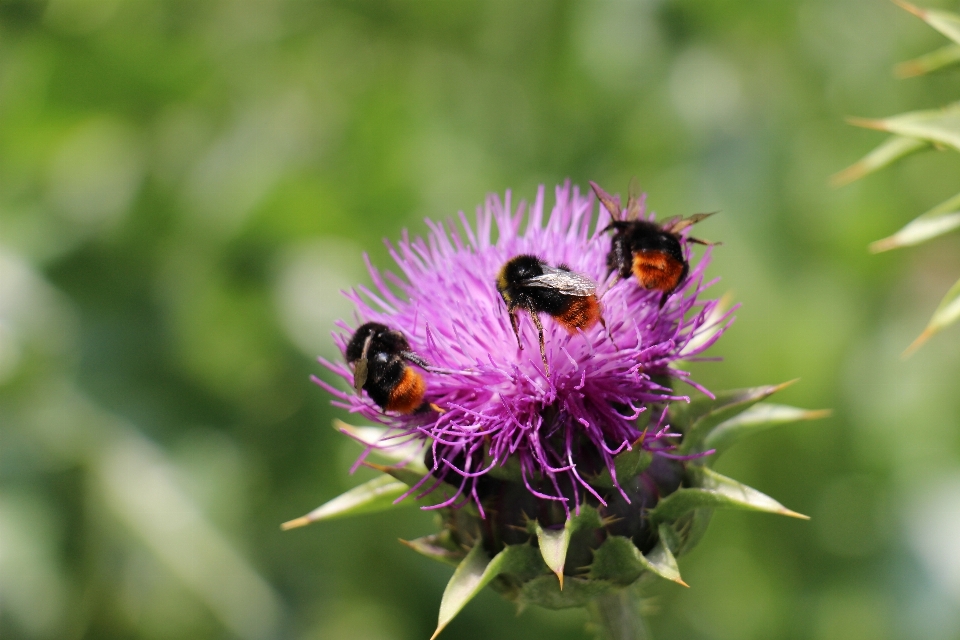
583, 313
407, 395
657, 270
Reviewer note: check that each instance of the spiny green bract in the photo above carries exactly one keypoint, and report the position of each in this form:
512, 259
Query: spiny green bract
532, 554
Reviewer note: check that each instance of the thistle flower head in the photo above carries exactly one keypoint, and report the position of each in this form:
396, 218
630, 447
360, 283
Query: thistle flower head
581, 469
498, 406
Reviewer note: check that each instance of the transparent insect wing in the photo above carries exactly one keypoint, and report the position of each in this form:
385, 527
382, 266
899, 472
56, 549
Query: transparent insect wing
679, 225
634, 201
563, 281
360, 368
669, 224
610, 203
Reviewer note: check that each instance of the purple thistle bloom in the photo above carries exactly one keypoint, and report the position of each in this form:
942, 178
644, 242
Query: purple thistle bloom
498, 403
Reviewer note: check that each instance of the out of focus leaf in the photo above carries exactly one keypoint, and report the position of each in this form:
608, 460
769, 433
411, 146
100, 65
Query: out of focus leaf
699, 417
757, 418
942, 57
717, 492
943, 21
946, 314
431, 547
940, 126
943, 218
894, 148
473, 574
375, 495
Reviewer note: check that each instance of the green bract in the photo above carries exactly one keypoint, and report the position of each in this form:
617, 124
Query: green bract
580, 560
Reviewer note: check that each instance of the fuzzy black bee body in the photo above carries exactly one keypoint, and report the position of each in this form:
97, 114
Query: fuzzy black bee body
649, 251
380, 359
527, 283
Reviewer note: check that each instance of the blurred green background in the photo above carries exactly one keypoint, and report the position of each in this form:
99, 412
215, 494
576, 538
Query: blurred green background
185, 187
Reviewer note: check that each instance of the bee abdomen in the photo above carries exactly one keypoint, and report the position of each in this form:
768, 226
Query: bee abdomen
658, 270
407, 395
582, 313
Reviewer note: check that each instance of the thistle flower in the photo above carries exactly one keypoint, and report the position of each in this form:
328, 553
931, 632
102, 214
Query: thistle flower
561, 484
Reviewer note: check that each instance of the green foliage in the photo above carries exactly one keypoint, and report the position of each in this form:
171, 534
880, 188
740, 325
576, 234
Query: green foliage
912, 132
371, 496
185, 187
678, 519
714, 491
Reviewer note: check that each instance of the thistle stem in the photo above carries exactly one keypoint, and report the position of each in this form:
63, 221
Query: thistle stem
616, 616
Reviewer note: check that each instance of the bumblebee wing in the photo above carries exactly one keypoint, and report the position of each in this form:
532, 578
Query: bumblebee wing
679, 225
610, 203
634, 201
360, 368
563, 281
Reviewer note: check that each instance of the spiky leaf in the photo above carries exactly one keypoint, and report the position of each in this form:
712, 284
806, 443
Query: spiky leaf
553, 547
432, 547
757, 418
943, 218
894, 148
617, 561
715, 491
660, 561
946, 314
694, 527
371, 496
930, 62
935, 125
475, 572
943, 21
699, 417
544, 592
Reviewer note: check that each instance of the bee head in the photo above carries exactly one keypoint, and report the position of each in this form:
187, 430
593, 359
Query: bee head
366, 331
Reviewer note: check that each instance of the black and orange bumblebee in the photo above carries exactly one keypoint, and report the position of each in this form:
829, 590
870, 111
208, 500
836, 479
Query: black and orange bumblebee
650, 251
379, 356
527, 283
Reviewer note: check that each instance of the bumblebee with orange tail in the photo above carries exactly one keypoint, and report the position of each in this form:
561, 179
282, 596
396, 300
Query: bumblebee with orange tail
379, 357
527, 283
648, 250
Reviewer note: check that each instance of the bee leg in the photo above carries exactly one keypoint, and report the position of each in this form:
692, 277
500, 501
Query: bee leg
663, 298
543, 349
603, 323
415, 359
515, 323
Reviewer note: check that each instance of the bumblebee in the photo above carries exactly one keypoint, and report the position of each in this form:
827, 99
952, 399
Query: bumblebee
379, 357
527, 283
648, 250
